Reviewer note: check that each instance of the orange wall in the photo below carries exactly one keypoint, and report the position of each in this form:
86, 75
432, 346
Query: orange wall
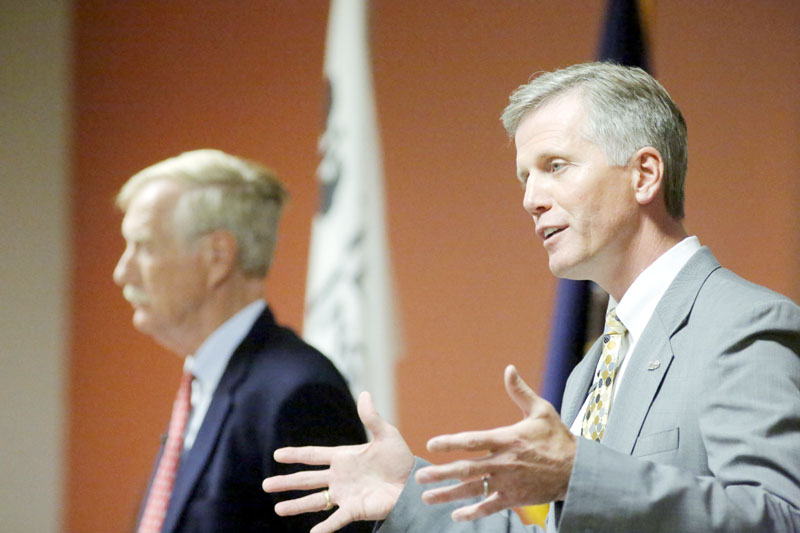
156, 78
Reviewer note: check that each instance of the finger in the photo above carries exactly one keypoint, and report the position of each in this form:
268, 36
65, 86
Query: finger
464, 469
471, 441
493, 504
308, 480
370, 417
307, 504
334, 522
460, 491
309, 455
519, 391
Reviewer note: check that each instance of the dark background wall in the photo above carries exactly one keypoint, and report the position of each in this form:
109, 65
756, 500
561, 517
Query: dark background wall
152, 79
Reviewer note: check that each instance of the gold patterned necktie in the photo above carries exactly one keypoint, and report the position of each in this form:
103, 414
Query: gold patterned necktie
601, 392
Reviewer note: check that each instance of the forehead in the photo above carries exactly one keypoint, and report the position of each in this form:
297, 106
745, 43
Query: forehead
150, 207
555, 130
556, 121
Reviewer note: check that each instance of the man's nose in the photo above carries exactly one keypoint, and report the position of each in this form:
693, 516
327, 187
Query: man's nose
537, 199
121, 270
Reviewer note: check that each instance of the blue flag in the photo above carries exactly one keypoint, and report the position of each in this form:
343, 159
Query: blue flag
624, 41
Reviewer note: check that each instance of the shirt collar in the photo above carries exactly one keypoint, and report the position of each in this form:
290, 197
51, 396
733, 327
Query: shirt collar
642, 297
210, 360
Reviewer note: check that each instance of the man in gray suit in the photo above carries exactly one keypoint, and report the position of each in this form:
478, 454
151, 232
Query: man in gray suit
684, 416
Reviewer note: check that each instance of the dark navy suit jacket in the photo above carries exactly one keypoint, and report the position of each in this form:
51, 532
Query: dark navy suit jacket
276, 391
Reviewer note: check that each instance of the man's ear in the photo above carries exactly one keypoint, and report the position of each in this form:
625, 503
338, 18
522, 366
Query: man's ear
220, 253
648, 174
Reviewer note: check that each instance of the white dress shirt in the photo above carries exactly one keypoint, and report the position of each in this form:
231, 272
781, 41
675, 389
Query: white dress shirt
638, 303
210, 361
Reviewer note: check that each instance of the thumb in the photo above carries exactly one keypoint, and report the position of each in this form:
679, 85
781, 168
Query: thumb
519, 391
369, 415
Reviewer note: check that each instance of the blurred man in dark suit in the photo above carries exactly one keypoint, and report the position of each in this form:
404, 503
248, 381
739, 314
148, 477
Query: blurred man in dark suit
200, 230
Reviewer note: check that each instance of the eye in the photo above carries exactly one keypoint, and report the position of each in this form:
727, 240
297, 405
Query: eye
557, 165
522, 177
140, 246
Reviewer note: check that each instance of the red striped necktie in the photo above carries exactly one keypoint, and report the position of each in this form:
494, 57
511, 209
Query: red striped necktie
161, 489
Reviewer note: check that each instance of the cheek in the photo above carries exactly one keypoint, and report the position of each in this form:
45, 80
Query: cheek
173, 278
593, 223
162, 282
185, 282
153, 275
583, 210
613, 225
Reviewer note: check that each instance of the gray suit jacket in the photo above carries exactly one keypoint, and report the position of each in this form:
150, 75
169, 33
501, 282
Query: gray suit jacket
704, 434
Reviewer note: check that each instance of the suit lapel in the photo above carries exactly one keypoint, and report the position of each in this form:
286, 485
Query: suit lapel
577, 386
648, 366
653, 355
193, 463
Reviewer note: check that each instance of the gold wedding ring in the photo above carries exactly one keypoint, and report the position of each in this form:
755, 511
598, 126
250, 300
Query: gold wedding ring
485, 480
328, 502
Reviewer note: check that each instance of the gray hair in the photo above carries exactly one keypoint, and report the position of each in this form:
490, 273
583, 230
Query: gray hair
627, 110
221, 192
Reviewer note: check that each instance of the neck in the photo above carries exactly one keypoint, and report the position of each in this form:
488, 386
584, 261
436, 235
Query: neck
223, 302
235, 297
648, 245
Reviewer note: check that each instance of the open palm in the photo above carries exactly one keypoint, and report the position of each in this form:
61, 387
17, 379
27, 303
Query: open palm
363, 480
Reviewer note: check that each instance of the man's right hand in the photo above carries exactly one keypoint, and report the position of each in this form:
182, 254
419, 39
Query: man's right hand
363, 480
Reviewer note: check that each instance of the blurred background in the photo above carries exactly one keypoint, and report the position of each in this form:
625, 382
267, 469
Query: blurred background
93, 91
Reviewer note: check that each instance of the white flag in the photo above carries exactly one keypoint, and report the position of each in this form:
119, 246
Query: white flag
349, 312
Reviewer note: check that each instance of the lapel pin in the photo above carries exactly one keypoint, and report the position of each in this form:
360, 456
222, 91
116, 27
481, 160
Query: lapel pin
652, 365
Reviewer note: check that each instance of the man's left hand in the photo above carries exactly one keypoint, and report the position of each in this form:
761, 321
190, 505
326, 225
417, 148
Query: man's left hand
527, 463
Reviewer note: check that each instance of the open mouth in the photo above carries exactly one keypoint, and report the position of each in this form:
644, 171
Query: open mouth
549, 232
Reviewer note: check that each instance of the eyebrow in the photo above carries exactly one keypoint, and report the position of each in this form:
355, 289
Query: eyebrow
136, 233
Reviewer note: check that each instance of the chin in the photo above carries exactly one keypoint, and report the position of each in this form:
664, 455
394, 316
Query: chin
559, 269
142, 322
567, 270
